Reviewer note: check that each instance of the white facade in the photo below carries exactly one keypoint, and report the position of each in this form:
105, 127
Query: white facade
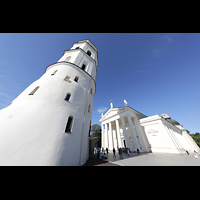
49, 122
167, 136
126, 127
121, 128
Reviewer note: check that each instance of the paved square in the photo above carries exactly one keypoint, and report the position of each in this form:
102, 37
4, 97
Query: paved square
154, 159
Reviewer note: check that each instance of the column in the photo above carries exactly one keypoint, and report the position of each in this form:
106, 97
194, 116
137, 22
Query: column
119, 141
140, 134
124, 132
133, 133
102, 135
106, 135
110, 137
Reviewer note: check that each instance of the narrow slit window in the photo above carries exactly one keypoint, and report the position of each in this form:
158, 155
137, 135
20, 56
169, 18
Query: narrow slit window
83, 67
68, 128
76, 79
33, 92
89, 108
91, 91
88, 53
54, 73
67, 97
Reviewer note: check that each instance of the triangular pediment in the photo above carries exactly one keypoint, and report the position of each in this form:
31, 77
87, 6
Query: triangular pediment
115, 111
111, 113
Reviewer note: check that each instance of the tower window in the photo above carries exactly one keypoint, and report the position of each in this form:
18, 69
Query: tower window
33, 92
67, 97
88, 53
91, 91
83, 67
54, 73
76, 79
68, 128
89, 108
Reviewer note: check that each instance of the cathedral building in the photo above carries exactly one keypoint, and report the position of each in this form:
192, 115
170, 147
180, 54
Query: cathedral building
127, 128
49, 122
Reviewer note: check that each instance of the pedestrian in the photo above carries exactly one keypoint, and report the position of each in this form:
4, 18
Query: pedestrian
107, 150
128, 151
100, 156
120, 153
138, 151
195, 154
114, 152
187, 152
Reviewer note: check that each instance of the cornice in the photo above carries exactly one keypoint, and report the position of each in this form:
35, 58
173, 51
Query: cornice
73, 65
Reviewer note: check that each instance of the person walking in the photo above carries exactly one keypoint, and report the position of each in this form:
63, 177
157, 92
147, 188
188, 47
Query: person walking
128, 152
107, 150
120, 153
138, 151
195, 154
114, 152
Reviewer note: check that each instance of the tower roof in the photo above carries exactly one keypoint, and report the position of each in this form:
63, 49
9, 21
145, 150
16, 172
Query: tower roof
90, 43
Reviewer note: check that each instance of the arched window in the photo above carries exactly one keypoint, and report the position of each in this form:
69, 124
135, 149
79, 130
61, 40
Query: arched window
54, 73
33, 92
88, 53
68, 97
68, 128
83, 67
76, 79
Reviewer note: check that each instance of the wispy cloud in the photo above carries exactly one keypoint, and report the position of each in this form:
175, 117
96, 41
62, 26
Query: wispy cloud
161, 44
102, 110
169, 37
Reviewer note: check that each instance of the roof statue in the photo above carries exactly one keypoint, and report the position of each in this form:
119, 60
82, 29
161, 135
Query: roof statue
111, 104
125, 103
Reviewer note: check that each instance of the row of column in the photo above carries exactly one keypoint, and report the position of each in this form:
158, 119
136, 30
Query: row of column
108, 137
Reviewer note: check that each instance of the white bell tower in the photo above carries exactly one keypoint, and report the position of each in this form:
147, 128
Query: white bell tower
49, 122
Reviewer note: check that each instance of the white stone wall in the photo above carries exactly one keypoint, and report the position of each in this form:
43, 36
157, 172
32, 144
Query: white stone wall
165, 137
32, 128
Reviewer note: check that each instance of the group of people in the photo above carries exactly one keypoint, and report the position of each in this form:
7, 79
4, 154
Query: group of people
120, 151
195, 154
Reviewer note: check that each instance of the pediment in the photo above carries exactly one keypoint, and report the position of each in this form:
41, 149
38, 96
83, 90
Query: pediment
111, 113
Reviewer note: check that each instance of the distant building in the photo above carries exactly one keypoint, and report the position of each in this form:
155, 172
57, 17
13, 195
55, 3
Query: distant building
128, 128
49, 122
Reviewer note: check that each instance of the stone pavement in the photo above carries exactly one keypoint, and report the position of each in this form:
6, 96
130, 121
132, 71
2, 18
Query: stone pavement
154, 159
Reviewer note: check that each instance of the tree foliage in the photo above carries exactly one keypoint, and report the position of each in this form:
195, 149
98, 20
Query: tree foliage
196, 138
96, 132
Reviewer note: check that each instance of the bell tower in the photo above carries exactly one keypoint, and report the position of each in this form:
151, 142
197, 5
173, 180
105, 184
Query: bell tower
49, 122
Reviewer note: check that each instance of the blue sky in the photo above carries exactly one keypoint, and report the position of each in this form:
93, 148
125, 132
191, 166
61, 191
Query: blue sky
155, 72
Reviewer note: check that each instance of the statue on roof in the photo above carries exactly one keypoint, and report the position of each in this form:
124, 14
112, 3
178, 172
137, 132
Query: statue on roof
125, 103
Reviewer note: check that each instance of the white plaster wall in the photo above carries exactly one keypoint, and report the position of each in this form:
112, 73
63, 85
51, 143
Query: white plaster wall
79, 58
164, 137
86, 47
32, 128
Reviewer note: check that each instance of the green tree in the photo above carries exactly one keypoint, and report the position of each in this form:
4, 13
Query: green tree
196, 138
96, 132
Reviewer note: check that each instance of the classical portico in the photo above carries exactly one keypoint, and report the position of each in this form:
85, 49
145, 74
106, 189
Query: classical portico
121, 128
